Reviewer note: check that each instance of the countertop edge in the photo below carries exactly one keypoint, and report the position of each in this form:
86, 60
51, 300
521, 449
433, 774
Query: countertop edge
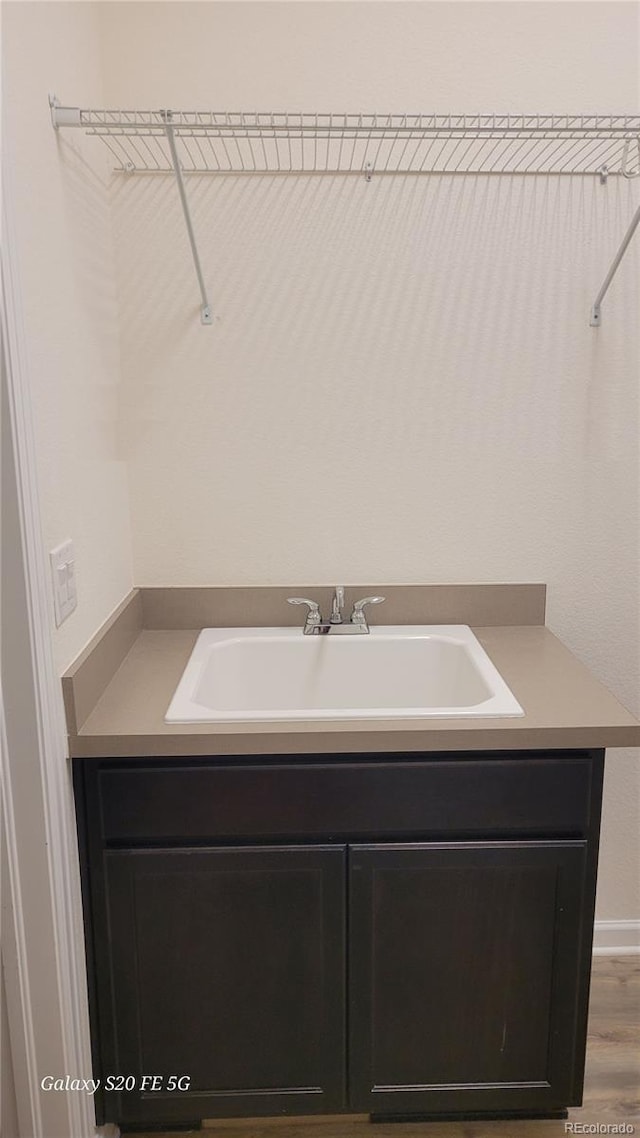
271, 743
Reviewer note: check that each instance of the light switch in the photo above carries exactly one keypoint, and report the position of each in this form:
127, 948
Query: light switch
63, 571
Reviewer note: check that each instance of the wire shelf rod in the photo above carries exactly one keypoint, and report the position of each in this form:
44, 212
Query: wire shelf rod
285, 121
237, 121
596, 314
205, 314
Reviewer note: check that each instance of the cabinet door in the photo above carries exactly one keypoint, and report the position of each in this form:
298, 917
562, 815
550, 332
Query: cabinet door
464, 965
227, 966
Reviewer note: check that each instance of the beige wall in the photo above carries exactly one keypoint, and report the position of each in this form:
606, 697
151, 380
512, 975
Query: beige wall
64, 242
400, 383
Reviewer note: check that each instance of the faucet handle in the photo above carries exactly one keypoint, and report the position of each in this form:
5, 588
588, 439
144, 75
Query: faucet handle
314, 610
314, 620
359, 605
357, 616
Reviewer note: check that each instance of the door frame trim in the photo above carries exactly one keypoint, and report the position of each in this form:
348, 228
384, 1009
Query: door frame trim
55, 907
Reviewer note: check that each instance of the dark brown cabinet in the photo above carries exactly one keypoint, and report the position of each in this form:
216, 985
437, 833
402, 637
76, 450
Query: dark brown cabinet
463, 976
228, 969
401, 935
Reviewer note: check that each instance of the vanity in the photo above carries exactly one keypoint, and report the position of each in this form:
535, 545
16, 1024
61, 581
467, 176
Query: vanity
381, 918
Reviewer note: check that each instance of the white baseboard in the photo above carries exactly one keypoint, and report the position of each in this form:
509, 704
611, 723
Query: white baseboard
616, 938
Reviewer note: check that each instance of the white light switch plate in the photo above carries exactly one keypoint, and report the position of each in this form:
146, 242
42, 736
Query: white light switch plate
63, 573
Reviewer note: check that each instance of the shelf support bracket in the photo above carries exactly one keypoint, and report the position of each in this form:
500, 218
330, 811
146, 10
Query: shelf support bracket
205, 313
596, 315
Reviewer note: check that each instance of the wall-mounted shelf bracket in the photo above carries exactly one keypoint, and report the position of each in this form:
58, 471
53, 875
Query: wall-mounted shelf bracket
596, 315
205, 312
73, 116
63, 116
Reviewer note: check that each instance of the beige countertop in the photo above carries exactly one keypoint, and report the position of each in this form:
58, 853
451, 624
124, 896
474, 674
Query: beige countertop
564, 705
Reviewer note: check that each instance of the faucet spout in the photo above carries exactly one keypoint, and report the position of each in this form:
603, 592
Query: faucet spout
337, 605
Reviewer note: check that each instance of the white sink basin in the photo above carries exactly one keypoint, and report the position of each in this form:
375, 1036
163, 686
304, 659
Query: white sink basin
397, 671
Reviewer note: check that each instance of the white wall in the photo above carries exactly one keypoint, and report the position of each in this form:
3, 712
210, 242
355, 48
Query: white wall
373, 343
401, 383
63, 232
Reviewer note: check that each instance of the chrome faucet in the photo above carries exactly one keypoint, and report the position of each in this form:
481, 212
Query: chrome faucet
314, 625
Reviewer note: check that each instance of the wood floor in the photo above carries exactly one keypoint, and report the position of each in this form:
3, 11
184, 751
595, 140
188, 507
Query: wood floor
612, 1085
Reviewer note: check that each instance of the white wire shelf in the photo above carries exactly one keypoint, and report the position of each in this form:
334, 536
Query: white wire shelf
238, 142
252, 142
